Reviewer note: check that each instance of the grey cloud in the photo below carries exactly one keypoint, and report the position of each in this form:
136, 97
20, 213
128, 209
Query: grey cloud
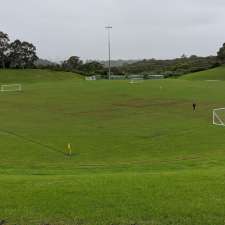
141, 28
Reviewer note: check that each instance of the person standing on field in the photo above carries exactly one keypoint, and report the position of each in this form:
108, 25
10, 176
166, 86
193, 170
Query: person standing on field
194, 107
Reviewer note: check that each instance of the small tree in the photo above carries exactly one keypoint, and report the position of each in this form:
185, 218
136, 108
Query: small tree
221, 53
184, 56
4, 45
92, 68
73, 63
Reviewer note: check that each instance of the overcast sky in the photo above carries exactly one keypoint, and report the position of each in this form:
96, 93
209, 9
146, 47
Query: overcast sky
141, 28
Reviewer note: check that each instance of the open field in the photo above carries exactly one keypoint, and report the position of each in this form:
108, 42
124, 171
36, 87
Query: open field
140, 154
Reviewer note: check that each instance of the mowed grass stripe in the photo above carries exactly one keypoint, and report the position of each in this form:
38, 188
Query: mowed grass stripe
123, 198
35, 142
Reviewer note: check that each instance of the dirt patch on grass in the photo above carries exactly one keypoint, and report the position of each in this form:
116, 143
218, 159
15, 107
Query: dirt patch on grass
143, 103
106, 113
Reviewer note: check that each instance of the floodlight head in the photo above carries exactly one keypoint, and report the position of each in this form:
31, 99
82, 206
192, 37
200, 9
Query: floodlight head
108, 27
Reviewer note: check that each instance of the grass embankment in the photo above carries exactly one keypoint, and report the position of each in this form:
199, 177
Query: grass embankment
215, 74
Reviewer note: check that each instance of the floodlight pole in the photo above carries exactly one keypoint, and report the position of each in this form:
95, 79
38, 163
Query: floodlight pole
109, 47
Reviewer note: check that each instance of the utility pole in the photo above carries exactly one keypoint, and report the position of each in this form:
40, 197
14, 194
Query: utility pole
109, 47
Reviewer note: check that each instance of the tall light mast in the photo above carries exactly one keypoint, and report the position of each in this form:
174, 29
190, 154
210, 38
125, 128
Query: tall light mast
108, 28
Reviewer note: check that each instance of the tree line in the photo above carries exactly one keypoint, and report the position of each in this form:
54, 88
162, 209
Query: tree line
22, 54
16, 54
74, 64
172, 67
168, 68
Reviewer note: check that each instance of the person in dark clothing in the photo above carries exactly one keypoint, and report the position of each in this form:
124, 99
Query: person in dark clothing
194, 107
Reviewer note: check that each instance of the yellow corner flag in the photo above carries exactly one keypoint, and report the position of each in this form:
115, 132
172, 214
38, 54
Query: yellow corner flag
69, 148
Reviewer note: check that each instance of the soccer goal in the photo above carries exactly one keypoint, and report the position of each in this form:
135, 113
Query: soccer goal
136, 81
90, 78
10, 87
219, 117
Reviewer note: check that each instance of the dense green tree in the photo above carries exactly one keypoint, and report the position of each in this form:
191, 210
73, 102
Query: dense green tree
73, 63
172, 67
117, 71
221, 53
22, 54
4, 45
184, 56
93, 68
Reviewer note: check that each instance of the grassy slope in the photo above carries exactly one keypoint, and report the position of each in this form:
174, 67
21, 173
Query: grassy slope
31, 76
139, 153
213, 74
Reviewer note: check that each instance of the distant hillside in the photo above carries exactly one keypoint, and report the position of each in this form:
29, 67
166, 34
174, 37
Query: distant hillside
172, 67
212, 74
34, 75
118, 63
43, 63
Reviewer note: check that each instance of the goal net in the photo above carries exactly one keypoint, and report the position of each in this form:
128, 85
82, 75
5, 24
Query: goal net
91, 78
219, 117
10, 87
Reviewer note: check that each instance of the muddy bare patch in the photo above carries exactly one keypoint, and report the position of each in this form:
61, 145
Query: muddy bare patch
143, 103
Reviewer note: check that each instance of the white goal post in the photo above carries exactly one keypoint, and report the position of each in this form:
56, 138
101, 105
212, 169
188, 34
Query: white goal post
91, 78
219, 117
10, 87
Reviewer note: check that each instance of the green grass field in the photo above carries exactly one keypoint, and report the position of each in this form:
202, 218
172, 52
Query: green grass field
208, 75
140, 154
